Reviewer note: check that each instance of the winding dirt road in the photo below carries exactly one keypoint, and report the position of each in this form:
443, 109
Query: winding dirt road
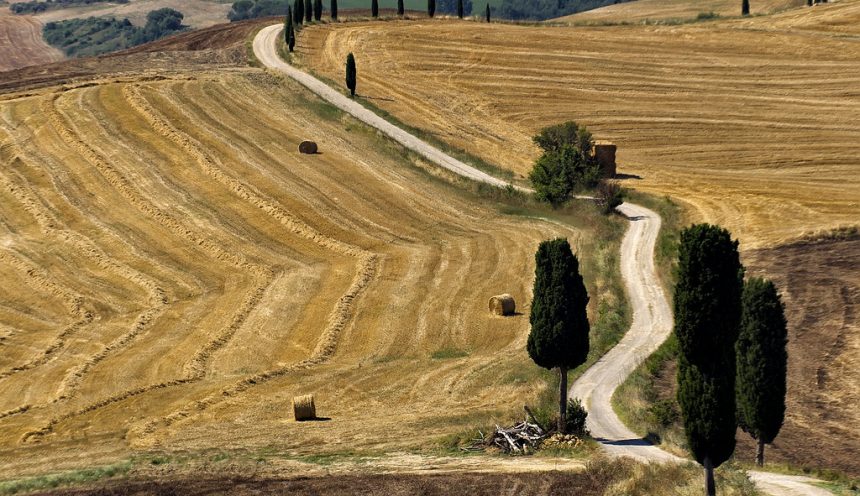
652, 316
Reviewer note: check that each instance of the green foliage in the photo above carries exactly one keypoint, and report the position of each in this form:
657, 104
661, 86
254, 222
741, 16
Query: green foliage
351, 74
707, 304
252, 9
97, 35
576, 418
400, 7
566, 165
761, 361
309, 11
298, 13
547, 9
290, 32
609, 195
453, 7
431, 8
488, 12
559, 323
334, 9
37, 7
318, 10
374, 8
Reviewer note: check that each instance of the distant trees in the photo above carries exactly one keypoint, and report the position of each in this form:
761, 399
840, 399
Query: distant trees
251, 9
559, 323
567, 163
309, 11
400, 9
546, 9
454, 7
374, 8
745, 7
761, 363
318, 8
707, 304
351, 74
431, 8
334, 9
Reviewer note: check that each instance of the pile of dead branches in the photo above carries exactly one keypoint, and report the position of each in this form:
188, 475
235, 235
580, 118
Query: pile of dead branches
522, 438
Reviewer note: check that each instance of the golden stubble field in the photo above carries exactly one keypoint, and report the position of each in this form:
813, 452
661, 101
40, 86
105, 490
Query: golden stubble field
750, 123
21, 42
756, 130
174, 272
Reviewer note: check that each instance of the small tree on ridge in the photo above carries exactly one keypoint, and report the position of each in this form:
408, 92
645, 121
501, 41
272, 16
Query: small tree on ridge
351, 74
374, 8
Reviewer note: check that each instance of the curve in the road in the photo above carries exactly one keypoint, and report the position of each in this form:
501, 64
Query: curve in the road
652, 317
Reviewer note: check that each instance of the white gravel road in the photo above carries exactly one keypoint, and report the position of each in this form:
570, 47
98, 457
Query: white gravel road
652, 316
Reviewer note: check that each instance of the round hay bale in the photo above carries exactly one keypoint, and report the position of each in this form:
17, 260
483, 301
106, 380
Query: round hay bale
503, 305
308, 147
304, 408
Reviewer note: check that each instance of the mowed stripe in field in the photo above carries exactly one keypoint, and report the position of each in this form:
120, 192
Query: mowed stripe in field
178, 272
758, 131
21, 43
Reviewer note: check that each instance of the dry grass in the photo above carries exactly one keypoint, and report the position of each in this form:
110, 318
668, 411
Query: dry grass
755, 130
21, 42
198, 13
662, 10
174, 272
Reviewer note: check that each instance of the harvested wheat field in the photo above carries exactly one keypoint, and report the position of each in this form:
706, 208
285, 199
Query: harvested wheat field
198, 13
21, 42
174, 272
758, 131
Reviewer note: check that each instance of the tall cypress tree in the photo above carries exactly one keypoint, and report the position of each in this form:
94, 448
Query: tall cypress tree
374, 8
309, 11
761, 363
351, 74
488, 12
707, 317
460, 9
431, 8
291, 40
559, 323
318, 8
288, 25
745, 7
400, 9
298, 12
334, 9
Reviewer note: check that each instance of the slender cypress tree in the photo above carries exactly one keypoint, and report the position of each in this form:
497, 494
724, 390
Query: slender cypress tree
334, 9
488, 12
318, 8
559, 323
351, 74
431, 8
400, 9
298, 12
762, 362
288, 25
309, 11
460, 9
745, 7
374, 8
707, 318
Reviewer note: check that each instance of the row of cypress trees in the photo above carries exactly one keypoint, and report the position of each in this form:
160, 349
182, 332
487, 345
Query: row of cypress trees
732, 358
306, 11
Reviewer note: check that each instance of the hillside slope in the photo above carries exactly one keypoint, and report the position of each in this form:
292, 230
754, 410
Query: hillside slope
21, 42
174, 272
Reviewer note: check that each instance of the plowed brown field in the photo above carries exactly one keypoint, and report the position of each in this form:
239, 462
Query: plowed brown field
755, 130
174, 272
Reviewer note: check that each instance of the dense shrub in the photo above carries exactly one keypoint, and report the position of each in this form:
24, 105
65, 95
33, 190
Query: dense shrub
566, 165
576, 417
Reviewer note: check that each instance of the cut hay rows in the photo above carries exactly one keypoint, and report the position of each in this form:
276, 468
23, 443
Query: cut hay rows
224, 272
755, 129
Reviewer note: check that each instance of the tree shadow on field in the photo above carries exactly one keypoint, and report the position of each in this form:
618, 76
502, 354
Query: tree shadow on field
622, 176
625, 442
316, 419
380, 98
